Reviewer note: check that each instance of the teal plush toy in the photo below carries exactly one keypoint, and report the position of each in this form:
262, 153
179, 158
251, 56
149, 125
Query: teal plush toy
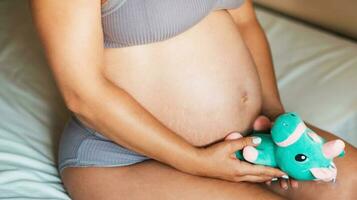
295, 149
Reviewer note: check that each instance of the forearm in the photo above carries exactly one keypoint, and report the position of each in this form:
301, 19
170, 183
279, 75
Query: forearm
118, 116
256, 41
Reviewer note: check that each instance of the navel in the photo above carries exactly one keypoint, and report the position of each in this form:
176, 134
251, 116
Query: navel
244, 97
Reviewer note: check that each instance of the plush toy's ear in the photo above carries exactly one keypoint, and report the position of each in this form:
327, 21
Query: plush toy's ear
333, 148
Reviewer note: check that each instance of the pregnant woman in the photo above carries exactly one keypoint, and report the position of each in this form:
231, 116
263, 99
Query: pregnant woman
155, 87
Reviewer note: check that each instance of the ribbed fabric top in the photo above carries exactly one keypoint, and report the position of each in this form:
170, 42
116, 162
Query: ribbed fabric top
134, 22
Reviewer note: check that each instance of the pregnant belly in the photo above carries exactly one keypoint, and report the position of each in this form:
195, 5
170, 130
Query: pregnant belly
202, 84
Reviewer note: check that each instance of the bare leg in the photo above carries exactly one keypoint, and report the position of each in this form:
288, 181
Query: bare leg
345, 186
153, 180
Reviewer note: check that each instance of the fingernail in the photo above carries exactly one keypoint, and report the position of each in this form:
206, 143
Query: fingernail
285, 176
257, 140
234, 136
274, 179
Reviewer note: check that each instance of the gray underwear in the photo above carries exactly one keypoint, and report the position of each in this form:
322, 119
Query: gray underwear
81, 146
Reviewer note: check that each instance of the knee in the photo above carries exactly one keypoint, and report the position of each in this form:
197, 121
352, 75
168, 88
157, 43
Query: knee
254, 191
348, 191
347, 181
350, 184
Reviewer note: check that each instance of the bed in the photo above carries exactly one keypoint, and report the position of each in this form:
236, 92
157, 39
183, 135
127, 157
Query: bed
316, 71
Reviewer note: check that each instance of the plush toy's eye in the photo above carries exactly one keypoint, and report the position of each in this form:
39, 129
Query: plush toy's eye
293, 115
300, 157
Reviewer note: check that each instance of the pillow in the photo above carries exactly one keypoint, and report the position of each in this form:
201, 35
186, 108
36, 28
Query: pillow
335, 15
32, 112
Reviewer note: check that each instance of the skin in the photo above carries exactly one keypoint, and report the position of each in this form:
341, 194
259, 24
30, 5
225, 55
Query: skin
101, 87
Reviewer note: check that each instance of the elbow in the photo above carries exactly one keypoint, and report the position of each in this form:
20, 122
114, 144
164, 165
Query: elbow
74, 103
81, 109
81, 100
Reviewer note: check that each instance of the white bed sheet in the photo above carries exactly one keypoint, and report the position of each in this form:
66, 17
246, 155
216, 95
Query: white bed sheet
316, 72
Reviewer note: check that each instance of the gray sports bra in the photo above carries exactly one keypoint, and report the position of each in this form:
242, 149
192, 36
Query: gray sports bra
134, 22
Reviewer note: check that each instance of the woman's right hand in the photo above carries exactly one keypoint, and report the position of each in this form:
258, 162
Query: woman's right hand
218, 161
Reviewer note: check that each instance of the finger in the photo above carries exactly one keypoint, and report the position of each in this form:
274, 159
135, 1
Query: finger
262, 123
247, 168
252, 178
233, 136
294, 184
284, 184
272, 180
239, 144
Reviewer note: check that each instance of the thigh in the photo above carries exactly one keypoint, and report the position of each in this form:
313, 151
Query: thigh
343, 188
153, 180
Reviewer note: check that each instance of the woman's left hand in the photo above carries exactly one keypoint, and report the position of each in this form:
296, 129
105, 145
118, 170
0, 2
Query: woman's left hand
263, 123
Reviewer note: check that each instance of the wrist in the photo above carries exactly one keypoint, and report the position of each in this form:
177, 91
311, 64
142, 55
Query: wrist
189, 161
197, 165
272, 112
